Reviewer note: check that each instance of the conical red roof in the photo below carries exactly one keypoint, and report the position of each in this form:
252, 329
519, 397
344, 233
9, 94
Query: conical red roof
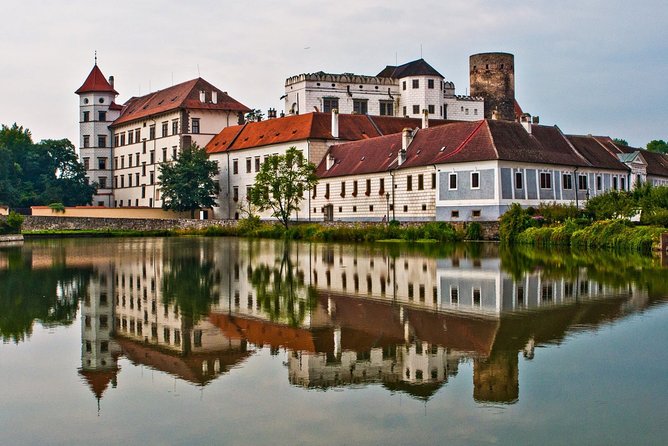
96, 82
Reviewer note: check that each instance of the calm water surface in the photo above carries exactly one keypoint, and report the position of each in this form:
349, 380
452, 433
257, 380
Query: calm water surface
228, 341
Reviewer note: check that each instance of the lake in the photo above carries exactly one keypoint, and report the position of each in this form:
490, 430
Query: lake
160, 341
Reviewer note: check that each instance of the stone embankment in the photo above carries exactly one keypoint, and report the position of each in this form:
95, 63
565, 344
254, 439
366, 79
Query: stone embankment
10, 239
490, 230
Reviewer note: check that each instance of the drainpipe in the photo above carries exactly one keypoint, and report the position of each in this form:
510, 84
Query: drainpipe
394, 208
575, 179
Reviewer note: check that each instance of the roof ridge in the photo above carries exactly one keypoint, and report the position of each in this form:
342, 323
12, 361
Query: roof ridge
463, 143
575, 150
491, 138
373, 123
236, 136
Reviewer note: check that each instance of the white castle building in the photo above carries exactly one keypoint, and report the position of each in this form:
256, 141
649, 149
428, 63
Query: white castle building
121, 146
406, 90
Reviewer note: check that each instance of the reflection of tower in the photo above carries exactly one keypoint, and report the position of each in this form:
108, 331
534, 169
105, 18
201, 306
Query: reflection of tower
496, 380
492, 76
99, 352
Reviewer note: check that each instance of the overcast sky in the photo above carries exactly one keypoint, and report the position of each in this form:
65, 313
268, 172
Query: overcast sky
588, 66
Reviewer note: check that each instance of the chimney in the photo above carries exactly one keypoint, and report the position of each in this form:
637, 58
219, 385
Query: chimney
214, 96
330, 160
335, 123
425, 119
496, 115
111, 81
271, 113
525, 120
202, 96
406, 139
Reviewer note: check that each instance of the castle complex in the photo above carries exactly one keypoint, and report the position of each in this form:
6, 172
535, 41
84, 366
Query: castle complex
398, 145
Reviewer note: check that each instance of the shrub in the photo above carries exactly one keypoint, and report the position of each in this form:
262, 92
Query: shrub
474, 231
57, 207
513, 222
12, 224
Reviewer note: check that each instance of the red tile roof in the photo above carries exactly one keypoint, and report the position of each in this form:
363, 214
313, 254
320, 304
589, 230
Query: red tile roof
185, 95
96, 83
452, 143
657, 163
596, 152
311, 126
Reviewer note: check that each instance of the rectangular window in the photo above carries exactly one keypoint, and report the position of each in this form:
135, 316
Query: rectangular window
433, 180
518, 180
403, 85
367, 192
567, 181
116, 140
546, 180
599, 182
137, 135
174, 152
102, 140
257, 163
430, 83
386, 108
151, 176
235, 193
143, 191
360, 106
129, 180
164, 154
453, 181
476, 297
86, 163
409, 182
102, 116
381, 189
143, 169
122, 185
355, 188
137, 178
122, 161
195, 125
432, 109
454, 295
86, 116
175, 126
165, 128
622, 182
420, 182
327, 190
475, 180
152, 157
235, 167
416, 83
329, 104
249, 190
343, 188
405, 111
136, 158
582, 182
248, 164
151, 132
416, 109
130, 137
476, 213
102, 163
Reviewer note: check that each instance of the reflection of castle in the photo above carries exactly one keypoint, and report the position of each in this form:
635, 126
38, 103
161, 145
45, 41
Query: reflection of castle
337, 330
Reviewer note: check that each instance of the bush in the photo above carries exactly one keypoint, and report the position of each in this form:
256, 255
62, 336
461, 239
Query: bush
658, 217
57, 207
12, 224
513, 222
617, 234
557, 213
611, 205
474, 231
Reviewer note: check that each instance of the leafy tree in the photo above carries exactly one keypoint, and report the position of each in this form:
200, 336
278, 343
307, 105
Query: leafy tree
612, 204
42, 173
281, 182
620, 141
187, 184
254, 115
659, 145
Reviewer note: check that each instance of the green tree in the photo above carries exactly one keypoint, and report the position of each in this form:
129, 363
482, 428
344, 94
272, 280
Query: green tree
65, 180
657, 145
620, 141
254, 115
187, 184
281, 182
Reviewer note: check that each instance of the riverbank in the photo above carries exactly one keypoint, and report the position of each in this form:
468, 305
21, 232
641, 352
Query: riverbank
607, 234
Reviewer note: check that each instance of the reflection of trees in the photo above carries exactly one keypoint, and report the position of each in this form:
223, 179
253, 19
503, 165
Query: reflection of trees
189, 280
605, 267
279, 289
49, 296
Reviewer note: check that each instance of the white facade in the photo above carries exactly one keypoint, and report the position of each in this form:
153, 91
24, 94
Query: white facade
406, 96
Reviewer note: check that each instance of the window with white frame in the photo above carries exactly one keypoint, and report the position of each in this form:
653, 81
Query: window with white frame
582, 182
567, 181
452, 181
546, 180
475, 180
519, 180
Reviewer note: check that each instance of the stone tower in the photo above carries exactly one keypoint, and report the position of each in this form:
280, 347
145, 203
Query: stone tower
97, 110
492, 76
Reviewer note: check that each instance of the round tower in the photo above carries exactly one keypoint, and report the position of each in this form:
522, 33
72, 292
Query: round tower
492, 77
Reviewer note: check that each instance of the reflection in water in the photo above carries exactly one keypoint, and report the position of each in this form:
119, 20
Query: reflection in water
346, 315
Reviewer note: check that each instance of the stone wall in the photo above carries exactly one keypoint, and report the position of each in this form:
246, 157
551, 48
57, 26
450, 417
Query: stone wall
38, 223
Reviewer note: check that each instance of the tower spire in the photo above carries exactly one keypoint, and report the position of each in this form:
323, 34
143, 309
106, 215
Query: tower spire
95, 57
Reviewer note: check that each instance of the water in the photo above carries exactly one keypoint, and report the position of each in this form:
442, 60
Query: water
228, 341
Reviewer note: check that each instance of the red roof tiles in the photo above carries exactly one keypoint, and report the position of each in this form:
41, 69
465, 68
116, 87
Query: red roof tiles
185, 95
96, 83
308, 126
